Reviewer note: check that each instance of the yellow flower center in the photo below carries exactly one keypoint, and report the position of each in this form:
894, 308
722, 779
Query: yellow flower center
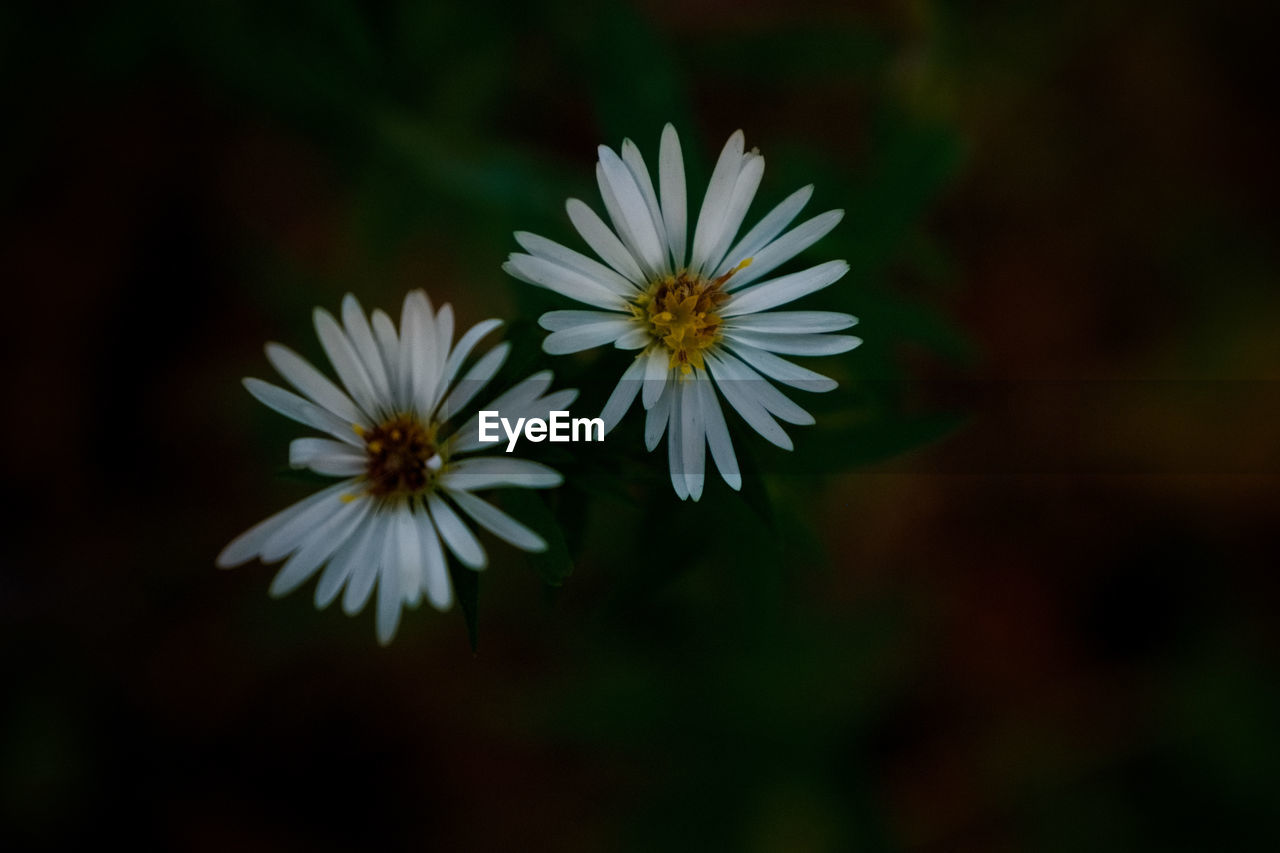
400, 457
680, 311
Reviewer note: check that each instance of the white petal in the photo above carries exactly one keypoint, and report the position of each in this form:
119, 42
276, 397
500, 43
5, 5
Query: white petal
435, 577
603, 241
756, 386
692, 437
671, 182
561, 280
814, 345
366, 563
455, 533
656, 370
793, 322
357, 327
518, 396
489, 471
558, 321
384, 330
303, 411
675, 447
541, 247
325, 456
747, 405
307, 559
786, 247
718, 432
294, 533
656, 418
466, 344
586, 337
399, 578
624, 394
312, 383
766, 229
249, 544
640, 172
498, 522
419, 352
715, 203
390, 591
779, 291
474, 381
345, 560
346, 362
630, 214
744, 190
784, 371
637, 338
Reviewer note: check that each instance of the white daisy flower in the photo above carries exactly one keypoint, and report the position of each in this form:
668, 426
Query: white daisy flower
688, 310
405, 473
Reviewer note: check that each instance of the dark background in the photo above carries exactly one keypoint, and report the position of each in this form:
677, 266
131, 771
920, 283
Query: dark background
1015, 590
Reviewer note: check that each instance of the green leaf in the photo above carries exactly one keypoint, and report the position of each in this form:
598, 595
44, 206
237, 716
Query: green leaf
466, 586
554, 564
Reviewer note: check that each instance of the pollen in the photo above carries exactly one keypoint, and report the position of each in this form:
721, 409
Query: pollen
400, 452
681, 312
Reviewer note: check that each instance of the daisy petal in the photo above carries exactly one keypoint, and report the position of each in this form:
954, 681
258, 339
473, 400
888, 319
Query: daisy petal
346, 362
541, 247
624, 394
631, 217
361, 335
644, 182
634, 339
675, 448
344, 561
718, 432
744, 190
294, 533
586, 337
325, 456
784, 371
561, 280
766, 229
558, 321
752, 383
303, 411
692, 437
656, 369
786, 247
715, 204
498, 522
655, 422
390, 597
320, 546
779, 291
455, 533
793, 322
747, 405
311, 383
466, 388
249, 544
365, 570
603, 241
487, 472
813, 345
671, 182
435, 576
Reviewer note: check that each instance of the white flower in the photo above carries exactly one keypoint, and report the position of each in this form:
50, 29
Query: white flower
405, 473
692, 322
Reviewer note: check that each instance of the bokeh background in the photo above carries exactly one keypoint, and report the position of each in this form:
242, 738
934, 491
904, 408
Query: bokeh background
1014, 592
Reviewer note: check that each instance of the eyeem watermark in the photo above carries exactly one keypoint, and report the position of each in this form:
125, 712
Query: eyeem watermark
559, 428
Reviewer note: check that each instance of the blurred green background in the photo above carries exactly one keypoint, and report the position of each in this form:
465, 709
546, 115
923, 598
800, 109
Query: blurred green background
1013, 592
